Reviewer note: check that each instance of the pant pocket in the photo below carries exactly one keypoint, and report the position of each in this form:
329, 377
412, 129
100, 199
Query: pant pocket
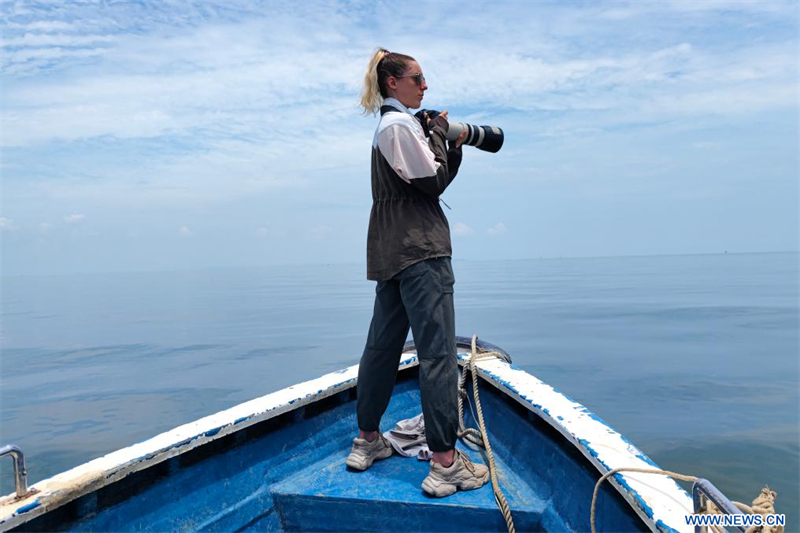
445, 276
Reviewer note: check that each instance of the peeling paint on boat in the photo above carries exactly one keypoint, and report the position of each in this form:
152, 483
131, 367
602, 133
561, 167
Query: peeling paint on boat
664, 527
100, 472
658, 500
26, 508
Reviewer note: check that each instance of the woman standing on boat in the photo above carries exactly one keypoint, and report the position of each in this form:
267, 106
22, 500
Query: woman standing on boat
408, 254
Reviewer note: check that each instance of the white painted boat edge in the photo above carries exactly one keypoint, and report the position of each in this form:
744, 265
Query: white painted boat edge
660, 502
93, 475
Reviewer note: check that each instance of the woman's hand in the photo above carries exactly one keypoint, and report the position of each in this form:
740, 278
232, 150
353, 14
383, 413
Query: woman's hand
460, 140
434, 121
443, 114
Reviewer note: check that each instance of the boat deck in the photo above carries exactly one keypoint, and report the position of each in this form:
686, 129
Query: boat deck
288, 474
327, 496
391, 488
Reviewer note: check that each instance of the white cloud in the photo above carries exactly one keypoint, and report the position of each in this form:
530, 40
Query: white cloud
249, 94
22, 61
751, 7
268, 231
701, 145
729, 101
157, 106
38, 39
44, 25
497, 229
45, 227
459, 228
6, 224
322, 232
72, 219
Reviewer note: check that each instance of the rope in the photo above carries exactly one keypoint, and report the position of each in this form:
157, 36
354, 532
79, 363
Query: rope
763, 504
639, 470
481, 438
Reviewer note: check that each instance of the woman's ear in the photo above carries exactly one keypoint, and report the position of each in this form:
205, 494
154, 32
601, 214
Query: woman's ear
391, 83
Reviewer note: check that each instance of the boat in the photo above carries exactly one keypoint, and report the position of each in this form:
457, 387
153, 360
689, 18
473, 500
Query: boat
277, 463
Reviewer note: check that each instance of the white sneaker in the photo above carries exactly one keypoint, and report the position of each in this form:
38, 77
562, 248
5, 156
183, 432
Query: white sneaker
463, 474
364, 452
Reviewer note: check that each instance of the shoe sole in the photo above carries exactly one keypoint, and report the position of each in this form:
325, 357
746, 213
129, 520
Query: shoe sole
366, 464
441, 489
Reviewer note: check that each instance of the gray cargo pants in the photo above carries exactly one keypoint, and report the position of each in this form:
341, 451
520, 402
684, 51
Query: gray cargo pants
419, 297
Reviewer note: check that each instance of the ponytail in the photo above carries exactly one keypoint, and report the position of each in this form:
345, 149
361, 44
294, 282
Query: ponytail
371, 98
382, 65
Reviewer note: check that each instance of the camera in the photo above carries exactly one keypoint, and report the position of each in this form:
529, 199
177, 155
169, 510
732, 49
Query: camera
486, 138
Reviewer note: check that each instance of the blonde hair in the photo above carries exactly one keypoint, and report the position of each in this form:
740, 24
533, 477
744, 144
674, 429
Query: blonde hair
382, 64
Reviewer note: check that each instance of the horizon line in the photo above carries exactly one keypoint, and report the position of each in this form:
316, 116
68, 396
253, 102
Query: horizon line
343, 263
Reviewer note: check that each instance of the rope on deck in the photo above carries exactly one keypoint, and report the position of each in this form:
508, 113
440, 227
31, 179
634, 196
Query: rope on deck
481, 438
763, 504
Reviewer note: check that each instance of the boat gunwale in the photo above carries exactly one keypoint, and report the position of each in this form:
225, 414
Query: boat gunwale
581, 431
51, 493
658, 500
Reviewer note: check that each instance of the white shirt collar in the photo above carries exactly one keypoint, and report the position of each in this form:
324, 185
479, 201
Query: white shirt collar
395, 103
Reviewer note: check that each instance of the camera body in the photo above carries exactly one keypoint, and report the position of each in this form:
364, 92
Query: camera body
486, 138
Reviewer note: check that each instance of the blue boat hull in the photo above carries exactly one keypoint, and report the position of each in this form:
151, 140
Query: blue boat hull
287, 473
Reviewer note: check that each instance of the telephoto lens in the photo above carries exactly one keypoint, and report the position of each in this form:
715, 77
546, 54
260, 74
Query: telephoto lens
486, 138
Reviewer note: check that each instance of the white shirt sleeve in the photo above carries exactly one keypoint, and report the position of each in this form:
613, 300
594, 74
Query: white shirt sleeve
407, 154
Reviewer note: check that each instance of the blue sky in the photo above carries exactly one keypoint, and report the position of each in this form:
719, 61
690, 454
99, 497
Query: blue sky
168, 135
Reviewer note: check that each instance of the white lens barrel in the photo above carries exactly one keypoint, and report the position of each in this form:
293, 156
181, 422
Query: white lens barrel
455, 130
486, 138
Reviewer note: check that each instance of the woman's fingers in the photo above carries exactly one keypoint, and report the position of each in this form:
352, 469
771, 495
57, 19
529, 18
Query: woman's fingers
461, 138
443, 114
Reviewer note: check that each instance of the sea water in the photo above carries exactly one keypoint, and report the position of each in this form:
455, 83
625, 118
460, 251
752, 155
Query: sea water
693, 358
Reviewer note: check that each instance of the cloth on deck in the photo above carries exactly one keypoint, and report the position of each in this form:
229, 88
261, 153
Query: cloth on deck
408, 438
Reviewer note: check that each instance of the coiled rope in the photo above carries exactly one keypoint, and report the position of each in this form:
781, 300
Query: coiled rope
763, 504
481, 438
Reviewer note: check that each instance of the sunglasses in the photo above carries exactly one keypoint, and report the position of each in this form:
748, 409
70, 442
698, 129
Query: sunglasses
419, 79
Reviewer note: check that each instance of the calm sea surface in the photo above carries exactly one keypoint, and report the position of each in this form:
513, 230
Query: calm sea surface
693, 358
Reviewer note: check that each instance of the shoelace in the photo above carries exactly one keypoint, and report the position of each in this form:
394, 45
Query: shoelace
467, 462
